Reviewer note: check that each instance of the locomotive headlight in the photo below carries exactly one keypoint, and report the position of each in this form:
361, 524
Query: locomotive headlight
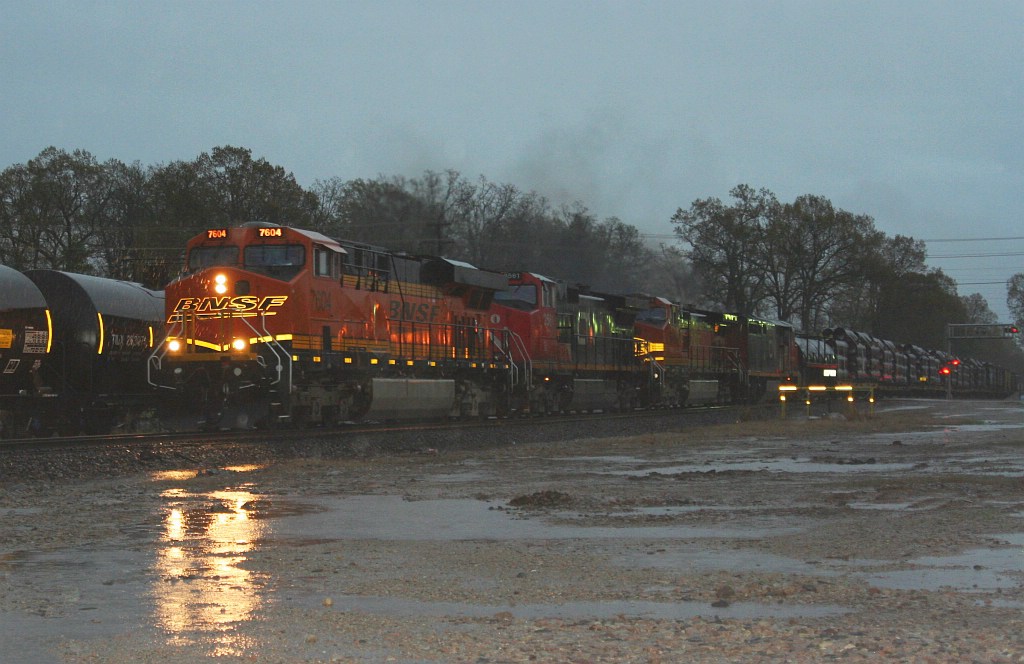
239, 344
220, 284
174, 345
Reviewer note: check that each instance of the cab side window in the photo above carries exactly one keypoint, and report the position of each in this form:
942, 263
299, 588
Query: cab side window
324, 262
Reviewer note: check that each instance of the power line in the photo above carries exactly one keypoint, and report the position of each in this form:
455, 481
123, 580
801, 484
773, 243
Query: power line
974, 239
984, 255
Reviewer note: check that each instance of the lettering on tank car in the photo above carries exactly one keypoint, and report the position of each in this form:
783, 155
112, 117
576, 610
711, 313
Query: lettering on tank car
129, 340
35, 341
413, 312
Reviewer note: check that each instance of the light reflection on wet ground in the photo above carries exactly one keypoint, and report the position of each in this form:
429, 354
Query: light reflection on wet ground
201, 584
183, 580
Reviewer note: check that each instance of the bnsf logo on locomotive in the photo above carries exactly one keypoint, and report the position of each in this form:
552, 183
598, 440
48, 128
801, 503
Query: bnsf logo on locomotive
240, 306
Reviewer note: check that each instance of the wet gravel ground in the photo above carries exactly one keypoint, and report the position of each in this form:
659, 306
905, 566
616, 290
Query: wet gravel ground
897, 537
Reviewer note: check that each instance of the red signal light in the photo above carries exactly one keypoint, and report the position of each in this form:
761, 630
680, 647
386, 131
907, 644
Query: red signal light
945, 371
955, 362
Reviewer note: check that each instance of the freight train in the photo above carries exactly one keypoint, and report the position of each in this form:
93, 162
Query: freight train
73, 349
271, 324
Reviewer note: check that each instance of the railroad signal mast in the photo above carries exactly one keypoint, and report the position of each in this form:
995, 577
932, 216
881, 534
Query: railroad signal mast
971, 331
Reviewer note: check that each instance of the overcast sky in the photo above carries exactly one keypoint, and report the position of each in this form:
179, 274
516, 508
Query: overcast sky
911, 112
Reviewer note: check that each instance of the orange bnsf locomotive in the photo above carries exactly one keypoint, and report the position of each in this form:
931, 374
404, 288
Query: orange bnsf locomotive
704, 357
275, 324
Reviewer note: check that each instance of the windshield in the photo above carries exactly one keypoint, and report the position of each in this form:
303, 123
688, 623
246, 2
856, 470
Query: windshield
656, 315
281, 261
201, 257
522, 296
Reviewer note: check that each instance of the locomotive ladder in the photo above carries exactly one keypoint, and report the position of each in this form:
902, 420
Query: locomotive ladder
277, 349
155, 359
511, 340
657, 371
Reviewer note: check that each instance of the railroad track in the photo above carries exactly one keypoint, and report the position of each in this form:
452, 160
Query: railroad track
616, 423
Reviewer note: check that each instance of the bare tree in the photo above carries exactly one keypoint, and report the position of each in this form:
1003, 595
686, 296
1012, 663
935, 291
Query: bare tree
724, 245
811, 251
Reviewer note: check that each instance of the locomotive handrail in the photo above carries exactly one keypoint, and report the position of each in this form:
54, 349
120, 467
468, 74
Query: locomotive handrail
527, 362
271, 342
155, 359
659, 377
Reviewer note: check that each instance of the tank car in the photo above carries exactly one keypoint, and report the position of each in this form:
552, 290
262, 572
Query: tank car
271, 324
86, 362
25, 335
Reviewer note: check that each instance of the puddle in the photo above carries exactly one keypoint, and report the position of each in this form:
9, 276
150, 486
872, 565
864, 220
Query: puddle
799, 465
599, 610
994, 426
884, 507
673, 510
700, 558
981, 569
89, 595
393, 518
464, 477
188, 474
201, 585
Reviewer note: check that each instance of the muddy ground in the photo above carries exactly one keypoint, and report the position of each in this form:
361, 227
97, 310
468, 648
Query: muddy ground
897, 537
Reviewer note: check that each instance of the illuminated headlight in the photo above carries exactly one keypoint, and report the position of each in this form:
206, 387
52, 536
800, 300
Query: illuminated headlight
220, 284
174, 345
239, 344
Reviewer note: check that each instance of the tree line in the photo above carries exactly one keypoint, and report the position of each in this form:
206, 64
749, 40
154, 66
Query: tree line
127, 221
807, 261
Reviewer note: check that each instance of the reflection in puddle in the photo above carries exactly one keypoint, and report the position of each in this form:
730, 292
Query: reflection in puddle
201, 587
173, 475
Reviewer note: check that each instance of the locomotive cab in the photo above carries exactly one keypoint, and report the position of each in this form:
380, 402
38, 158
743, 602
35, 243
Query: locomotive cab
578, 345
682, 342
